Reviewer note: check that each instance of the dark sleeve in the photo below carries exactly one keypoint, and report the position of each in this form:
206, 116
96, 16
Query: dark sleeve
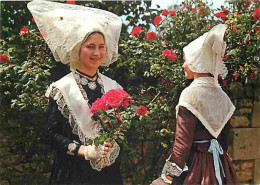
185, 129
56, 129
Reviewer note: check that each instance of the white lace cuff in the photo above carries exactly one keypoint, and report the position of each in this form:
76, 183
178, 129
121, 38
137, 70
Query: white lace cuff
108, 160
173, 168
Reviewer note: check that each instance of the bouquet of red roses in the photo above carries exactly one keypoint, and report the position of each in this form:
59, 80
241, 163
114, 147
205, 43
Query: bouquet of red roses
106, 110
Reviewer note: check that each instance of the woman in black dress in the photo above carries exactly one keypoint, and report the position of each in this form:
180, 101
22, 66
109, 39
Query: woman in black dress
86, 38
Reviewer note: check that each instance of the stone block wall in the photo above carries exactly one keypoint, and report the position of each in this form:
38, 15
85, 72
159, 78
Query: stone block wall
245, 148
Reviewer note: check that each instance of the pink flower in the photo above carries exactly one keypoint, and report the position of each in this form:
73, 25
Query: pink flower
24, 31
249, 42
165, 12
172, 13
166, 52
172, 57
136, 30
33, 20
142, 110
252, 75
235, 76
157, 20
151, 36
4, 59
115, 97
256, 15
189, 7
193, 9
234, 29
99, 104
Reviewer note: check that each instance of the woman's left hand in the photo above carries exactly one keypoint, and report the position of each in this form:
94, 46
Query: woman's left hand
107, 147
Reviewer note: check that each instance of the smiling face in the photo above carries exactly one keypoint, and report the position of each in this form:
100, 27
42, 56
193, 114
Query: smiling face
188, 73
93, 52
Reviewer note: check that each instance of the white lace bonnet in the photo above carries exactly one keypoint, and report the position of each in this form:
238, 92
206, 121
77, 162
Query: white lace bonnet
203, 55
65, 26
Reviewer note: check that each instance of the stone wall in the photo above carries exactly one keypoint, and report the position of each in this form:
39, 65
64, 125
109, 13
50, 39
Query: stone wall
245, 148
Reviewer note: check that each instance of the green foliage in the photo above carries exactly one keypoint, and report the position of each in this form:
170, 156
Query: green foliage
146, 74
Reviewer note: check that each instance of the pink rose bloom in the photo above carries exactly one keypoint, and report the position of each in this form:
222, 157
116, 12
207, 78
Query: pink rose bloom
114, 98
99, 104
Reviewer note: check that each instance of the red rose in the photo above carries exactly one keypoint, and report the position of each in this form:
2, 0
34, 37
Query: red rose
225, 11
99, 104
4, 59
234, 29
136, 30
157, 20
256, 15
166, 52
193, 9
24, 31
165, 12
235, 76
169, 55
151, 36
142, 110
256, 28
165, 41
221, 14
252, 75
172, 13
189, 7
33, 20
70, 2
163, 81
249, 42
172, 57
247, 3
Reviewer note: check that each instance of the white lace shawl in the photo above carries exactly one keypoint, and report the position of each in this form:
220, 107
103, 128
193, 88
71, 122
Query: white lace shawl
208, 102
73, 105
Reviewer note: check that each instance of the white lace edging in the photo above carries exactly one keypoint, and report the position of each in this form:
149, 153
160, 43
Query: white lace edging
173, 168
55, 93
108, 160
203, 120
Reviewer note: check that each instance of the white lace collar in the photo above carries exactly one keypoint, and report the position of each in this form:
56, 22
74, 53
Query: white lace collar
208, 102
73, 104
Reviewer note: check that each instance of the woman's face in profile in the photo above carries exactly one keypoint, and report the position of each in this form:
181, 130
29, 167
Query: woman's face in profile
93, 51
188, 73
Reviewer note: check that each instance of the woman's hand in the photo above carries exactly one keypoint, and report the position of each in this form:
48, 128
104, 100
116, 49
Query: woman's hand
107, 148
92, 152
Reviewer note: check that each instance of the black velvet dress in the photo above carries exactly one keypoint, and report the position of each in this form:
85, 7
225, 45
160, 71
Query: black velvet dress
74, 169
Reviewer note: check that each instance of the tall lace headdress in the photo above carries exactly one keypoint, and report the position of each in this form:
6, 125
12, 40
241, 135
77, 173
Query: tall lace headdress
64, 27
203, 55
